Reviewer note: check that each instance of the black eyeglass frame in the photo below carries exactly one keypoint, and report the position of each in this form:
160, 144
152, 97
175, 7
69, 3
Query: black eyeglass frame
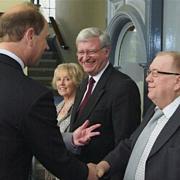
156, 72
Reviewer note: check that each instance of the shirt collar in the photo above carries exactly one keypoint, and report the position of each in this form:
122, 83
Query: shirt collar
171, 108
98, 76
13, 56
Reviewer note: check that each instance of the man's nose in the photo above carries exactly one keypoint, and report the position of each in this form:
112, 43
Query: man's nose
85, 56
149, 77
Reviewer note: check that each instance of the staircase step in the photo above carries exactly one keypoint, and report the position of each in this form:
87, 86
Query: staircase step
47, 63
38, 71
41, 78
49, 55
43, 72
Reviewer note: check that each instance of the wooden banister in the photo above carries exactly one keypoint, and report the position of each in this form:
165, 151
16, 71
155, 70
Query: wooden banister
58, 33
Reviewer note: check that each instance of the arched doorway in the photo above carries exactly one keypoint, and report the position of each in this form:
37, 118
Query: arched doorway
129, 54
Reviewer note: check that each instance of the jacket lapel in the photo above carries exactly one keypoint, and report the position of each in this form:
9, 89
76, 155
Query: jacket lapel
169, 129
79, 95
94, 98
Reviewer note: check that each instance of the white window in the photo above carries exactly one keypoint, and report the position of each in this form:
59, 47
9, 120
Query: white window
47, 7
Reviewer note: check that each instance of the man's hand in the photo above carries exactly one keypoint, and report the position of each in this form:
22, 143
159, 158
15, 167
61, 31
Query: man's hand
83, 134
92, 172
101, 168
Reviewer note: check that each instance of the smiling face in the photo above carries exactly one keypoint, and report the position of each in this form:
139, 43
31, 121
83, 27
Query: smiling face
163, 88
91, 56
65, 85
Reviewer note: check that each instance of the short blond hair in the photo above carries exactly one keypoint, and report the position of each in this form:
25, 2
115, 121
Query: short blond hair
74, 70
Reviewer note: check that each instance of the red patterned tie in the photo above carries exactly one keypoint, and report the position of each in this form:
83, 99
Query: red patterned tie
88, 94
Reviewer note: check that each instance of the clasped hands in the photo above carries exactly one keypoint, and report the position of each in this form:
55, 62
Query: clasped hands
96, 171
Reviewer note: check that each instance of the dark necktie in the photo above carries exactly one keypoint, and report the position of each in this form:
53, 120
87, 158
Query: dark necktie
87, 95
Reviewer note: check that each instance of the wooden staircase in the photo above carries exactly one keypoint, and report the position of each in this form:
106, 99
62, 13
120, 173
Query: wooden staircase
44, 71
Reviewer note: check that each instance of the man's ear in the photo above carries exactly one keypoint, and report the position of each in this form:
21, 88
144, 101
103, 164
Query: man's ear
29, 36
108, 50
177, 86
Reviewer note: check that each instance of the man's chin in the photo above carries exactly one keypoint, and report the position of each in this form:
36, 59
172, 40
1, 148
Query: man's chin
87, 70
150, 96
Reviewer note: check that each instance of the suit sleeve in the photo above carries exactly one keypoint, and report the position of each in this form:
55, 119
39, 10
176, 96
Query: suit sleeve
67, 138
43, 137
118, 158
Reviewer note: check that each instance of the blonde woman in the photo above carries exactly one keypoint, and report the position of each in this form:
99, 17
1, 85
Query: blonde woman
67, 78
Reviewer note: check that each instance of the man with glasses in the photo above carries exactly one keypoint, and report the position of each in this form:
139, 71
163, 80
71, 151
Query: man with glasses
114, 100
160, 156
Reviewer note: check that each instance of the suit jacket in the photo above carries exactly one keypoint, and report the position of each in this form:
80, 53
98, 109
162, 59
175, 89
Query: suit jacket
28, 127
164, 159
115, 103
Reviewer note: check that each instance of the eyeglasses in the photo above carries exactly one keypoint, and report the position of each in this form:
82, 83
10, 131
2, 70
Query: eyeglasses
155, 72
89, 52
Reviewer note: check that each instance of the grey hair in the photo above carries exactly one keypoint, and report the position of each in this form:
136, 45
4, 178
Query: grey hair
94, 32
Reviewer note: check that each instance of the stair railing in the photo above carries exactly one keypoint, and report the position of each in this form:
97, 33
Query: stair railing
58, 33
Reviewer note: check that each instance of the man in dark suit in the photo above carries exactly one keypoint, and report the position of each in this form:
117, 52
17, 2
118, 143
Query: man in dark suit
162, 160
27, 112
114, 100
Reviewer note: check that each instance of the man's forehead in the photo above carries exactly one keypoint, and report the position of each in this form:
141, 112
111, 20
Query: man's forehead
18, 8
162, 60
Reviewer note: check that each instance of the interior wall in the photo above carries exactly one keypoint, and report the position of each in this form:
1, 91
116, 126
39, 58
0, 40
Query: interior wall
171, 26
5, 4
74, 15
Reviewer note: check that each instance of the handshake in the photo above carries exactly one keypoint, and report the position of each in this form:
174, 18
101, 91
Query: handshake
96, 171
